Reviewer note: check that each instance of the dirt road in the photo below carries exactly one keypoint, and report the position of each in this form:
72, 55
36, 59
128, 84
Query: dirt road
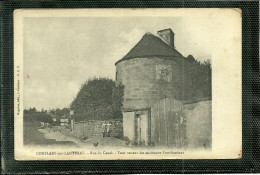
65, 135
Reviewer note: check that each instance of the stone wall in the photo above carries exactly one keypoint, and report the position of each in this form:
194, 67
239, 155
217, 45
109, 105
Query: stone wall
199, 124
93, 128
143, 85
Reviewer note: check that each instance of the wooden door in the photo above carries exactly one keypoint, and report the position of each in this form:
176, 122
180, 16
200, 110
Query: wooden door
167, 124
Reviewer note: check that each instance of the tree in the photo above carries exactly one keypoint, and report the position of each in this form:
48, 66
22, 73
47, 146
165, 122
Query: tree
58, 112
118, 98
32, 115
96, 100
197, 79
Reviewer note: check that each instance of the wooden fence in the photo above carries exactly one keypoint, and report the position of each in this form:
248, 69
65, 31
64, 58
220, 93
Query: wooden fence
168, 124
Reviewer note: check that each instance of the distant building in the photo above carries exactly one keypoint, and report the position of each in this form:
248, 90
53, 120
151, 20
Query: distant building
64, 121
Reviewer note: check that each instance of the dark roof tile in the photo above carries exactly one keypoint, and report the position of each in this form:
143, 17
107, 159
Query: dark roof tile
151, 46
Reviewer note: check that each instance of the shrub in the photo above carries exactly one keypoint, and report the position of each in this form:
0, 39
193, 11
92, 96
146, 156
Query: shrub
98, 98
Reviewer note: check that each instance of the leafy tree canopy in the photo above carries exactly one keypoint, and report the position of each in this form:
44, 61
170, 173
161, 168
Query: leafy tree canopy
197, 79
97, 98
37, 116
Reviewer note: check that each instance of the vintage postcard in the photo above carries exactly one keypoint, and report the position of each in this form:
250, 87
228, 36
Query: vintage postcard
127, 84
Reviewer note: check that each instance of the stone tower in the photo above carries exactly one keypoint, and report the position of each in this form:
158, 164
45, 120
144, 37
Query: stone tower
150, 71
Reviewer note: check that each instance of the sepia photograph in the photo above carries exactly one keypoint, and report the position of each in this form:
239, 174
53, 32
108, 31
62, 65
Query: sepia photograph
127, 84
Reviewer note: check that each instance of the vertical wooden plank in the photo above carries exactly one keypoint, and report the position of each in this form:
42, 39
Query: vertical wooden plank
172, 121
160, 121
153, 128
152, 125
154, 137
173, 124
181, 126
167, 111
169, 122
166, 121
149, 125
162, 115
154, 133
157, 125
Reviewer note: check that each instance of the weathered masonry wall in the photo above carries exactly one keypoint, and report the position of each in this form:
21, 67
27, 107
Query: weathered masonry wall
93, 129
199, 124
147, 80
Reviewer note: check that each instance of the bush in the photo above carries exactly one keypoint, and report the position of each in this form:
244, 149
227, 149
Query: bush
197, 79
38, 116
98, 98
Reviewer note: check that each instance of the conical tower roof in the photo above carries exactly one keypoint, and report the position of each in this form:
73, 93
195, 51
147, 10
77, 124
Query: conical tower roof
151, 46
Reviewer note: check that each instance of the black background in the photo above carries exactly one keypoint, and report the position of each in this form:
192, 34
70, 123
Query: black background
250, 90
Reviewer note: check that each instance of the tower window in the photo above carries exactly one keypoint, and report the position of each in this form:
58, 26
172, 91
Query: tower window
164, 72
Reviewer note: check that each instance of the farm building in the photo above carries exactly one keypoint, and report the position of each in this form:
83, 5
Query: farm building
64, 121
155, 95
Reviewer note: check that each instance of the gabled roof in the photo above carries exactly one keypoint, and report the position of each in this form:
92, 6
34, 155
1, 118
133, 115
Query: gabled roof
151, 46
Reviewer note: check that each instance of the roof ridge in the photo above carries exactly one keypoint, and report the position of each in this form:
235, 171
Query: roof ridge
151, 46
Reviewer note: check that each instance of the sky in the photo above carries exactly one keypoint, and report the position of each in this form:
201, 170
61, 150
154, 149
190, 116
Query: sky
60, 54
